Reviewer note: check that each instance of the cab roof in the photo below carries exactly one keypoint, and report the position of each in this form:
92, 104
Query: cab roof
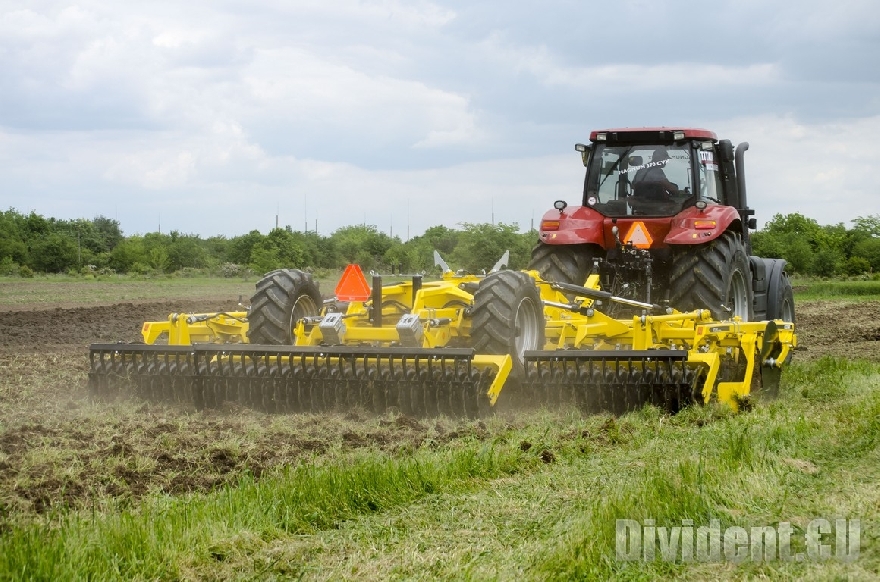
651, 134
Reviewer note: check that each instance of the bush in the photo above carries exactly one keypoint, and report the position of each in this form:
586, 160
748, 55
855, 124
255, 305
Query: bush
230, 270
26, 272
857, 266
140, 269
8, 267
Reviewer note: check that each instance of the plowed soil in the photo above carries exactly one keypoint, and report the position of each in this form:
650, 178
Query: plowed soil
60, 449
839, 328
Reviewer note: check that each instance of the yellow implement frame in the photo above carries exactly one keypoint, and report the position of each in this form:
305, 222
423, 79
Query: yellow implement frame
197, 328
437, 316
709, 344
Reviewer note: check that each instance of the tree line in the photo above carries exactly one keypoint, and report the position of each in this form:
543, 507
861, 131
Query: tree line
821, 250
32, 243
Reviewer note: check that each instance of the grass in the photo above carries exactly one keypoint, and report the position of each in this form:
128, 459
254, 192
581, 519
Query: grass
159, 538
808, 289
154, 492
535, 496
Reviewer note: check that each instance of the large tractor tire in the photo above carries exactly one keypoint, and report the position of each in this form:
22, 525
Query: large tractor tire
713, 276
562, 263
282, 298
508, 317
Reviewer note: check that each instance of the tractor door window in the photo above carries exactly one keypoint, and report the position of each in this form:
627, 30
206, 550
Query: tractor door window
639, 179
710, 177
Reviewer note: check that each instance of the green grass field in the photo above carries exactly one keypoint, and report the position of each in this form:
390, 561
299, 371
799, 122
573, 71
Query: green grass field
531, 495
535, 495
810, 289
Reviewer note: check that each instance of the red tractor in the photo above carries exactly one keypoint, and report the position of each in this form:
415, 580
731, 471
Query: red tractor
664, 218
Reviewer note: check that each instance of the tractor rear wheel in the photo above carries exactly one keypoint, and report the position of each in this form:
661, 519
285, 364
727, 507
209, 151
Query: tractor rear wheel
282, 298
562, 263
508, 317
713, 276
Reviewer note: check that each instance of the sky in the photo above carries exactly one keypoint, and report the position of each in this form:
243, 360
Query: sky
216, 117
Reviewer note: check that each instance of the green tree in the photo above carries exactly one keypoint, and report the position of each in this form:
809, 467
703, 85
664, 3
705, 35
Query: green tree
129, 253
186, 251
280, 249
420, 249
808, 247
108, 233
240, 247
13, 236
481, 245
53, 253
869, 250
363, 245
158, 258
869, 225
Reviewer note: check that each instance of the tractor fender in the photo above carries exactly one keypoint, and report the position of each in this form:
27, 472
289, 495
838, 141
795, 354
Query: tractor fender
693, 226
574, 225
776, 276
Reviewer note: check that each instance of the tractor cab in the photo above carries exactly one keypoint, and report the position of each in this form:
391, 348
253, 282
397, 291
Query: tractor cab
651, 172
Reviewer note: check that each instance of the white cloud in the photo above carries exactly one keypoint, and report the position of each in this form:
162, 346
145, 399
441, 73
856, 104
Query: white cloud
616, 77
824, 171
216, 115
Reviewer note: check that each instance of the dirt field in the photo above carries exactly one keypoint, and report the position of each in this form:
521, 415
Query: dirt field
57, 448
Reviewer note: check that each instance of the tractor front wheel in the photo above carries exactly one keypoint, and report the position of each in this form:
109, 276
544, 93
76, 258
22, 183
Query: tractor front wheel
508, 317
283, 297
713, 276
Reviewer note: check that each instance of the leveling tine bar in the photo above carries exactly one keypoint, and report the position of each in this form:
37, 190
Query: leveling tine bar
615, 381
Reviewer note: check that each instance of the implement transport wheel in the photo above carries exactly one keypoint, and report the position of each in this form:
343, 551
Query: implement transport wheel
283, 297
562, 263
780, 303
713, 276
508, 317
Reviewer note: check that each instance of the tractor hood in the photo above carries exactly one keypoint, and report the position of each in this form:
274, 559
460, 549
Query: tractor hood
583, 225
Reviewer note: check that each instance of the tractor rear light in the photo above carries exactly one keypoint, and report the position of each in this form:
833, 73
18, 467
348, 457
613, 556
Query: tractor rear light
549, 225
678, 135
705, 224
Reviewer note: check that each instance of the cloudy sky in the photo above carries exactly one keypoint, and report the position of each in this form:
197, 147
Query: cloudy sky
213, 117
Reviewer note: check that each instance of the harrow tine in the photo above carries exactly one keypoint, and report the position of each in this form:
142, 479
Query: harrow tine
616, 381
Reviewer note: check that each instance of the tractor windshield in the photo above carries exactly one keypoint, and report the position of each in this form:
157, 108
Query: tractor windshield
647, 180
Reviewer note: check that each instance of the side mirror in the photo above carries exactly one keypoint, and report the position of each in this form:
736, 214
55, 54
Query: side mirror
585, 152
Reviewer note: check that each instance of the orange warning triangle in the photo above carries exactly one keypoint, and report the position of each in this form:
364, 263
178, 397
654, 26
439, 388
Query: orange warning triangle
638, 236
353, 285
